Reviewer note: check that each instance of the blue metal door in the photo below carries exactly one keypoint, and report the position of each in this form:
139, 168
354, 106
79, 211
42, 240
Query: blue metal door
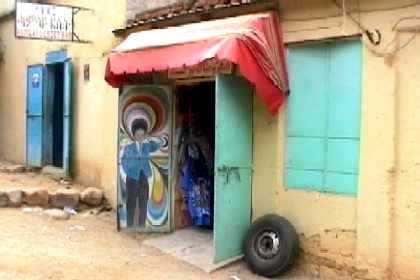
34, 115
68, 74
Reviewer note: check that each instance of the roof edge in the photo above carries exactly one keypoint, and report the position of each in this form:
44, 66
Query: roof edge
198, 15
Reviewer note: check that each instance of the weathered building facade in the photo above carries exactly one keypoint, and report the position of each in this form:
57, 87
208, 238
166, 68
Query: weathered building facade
366, 227
369, 232
91, 148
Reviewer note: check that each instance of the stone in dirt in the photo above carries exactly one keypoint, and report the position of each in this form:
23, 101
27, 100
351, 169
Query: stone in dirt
32, 210
65, 182
13, 169
92, 196
65, 198
4, 199
57, 214
35, 197
77, 227
15, 197
17, 169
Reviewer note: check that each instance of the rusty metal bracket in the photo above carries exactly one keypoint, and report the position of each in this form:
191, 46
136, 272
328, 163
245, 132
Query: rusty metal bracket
75, 37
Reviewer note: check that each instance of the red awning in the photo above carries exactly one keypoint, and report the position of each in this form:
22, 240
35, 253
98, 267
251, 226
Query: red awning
252, 42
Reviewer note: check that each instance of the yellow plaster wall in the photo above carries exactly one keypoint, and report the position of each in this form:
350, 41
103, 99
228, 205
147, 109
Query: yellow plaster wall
405, 246
307, 210
95, 103
385, 215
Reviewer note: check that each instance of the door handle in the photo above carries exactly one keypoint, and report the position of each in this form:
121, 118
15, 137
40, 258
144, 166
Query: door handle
221, 168
229, 170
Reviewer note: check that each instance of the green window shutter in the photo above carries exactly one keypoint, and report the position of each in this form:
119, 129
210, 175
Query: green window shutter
344, 89
344, 113
308, 70
323, 117
306, 118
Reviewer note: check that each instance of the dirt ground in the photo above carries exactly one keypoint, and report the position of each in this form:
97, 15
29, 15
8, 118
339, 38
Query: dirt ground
86, 247
32, 179
33, 247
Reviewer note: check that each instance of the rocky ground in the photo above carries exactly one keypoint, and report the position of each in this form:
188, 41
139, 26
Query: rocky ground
35, 192
38, 244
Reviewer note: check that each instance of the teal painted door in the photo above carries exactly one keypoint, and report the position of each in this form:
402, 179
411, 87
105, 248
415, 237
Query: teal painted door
68, 81
233, 166
34, 115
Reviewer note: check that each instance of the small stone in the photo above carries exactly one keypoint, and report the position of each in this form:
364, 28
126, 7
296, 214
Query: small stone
77, 227
70, 211
65, 198
65, 182
92, 196
35, 197
27, 210
57, 214
95, 211
15, 197
4, 199
37, 209
17, 169
14, 169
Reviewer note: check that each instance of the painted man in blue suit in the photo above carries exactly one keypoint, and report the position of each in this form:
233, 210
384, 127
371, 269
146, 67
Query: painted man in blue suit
136, 170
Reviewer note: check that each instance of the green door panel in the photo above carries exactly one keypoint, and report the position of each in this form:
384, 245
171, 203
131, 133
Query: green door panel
306, 108
343, 155
344, 117
298, 149
341, 183
234, 197
233, 166
234, 120
67, 116
305, 179
344, 98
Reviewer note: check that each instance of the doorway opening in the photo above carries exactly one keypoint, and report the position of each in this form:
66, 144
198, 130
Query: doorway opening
195, 144
211, 170
48, 116
54, 144
193, 176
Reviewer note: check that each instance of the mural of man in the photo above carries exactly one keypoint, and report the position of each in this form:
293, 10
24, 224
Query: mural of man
136, 170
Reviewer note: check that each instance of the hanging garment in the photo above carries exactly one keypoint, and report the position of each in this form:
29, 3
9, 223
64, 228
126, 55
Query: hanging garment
197, 185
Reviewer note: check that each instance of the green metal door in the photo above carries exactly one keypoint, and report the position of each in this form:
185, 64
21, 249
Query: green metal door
67, 144
233, 166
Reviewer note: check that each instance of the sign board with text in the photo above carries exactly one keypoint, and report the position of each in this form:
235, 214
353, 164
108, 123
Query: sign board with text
42, 21
206, 68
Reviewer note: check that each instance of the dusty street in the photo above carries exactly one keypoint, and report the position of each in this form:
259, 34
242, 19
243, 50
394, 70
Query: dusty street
88, 246
36, 248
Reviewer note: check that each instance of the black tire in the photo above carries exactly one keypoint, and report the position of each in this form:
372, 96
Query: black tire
271, 246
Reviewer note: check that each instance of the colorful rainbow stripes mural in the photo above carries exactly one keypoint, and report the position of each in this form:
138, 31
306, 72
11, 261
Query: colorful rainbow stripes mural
144, 160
